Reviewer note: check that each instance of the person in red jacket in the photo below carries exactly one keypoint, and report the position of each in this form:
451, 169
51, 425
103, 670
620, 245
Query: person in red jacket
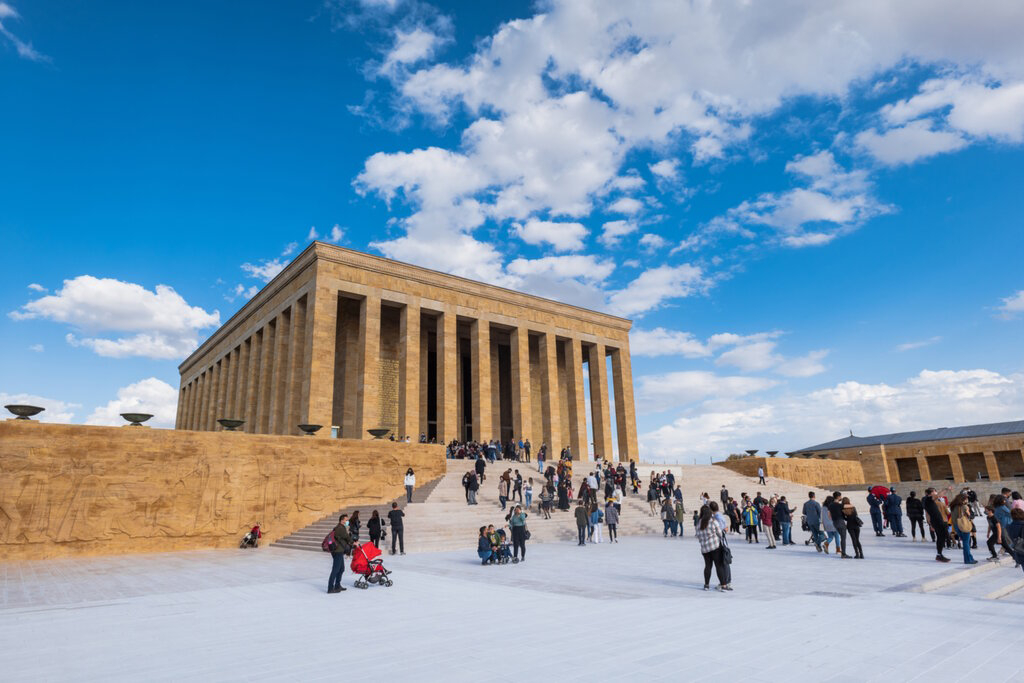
767, 514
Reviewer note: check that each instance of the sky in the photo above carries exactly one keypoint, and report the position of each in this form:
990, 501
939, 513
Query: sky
811, 211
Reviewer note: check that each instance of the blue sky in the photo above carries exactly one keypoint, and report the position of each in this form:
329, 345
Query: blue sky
812, 213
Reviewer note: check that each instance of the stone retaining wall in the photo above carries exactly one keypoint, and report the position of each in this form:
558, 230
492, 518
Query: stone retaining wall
74, 489
817, 473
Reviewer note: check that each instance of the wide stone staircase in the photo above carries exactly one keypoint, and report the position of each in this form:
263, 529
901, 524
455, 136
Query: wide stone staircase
439, 519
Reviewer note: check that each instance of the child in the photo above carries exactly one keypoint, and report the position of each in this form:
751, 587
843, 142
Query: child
995, 532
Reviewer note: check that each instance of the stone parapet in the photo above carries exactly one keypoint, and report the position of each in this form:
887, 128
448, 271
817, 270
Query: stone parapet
818, 473
81, 490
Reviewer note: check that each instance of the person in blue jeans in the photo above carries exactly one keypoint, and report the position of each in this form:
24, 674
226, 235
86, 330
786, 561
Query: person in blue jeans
484, 549
342, 544
960, 513
784, 514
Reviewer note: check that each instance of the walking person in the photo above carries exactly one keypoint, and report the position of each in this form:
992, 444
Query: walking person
339, 548
668, 517
376, 528
835, 509
895, 512
503, 487
480, 466
937, 521
680, 522
760, 475
853, 525
471, 488
785, 516
875, 506
517, 523
528, 492
711, 537
582, 518
960, 513
995, 532
410, 484
812, 518
597, 523
611, 517
354, 525
397, 528
915, 511
518, 488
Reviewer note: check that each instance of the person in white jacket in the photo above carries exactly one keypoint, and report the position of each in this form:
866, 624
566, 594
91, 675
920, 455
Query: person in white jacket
410, 483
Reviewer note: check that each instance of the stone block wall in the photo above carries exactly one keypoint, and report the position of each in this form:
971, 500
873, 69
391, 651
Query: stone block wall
813, 472
79, 490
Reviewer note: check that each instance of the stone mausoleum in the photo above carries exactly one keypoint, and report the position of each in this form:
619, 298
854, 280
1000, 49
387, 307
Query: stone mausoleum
352, 341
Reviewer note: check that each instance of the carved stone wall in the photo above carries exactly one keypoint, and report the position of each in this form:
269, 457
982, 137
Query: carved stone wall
73, 489
817, 473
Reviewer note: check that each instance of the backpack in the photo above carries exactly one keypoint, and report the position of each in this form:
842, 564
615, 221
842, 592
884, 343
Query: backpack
328, 544
600, 516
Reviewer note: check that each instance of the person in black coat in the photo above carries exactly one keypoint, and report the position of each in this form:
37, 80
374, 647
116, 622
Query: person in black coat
397, 528
938, 523
480, 467
376, 528
915, 511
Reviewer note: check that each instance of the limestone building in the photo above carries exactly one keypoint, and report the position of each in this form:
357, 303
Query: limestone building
353, 341
962, 454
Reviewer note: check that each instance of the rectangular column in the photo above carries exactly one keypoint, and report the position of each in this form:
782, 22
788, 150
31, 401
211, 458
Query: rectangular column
549, 392
480, 361
922, 468
522, 407
296, 369
266, 376
201, 401
956, 466
253, 382
279, 378
209, 421
409, 379
992, 466
625, 412
242, 400
368, 390
577, 401
424, 427
222, 390
599, 408
231, 393
321, 332
447, 377
179, 414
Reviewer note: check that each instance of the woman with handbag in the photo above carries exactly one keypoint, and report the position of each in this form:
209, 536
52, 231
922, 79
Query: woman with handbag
517, 522
853, 526
960, 514
711, 537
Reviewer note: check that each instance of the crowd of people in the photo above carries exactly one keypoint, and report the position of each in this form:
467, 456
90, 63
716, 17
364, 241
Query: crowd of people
519, 450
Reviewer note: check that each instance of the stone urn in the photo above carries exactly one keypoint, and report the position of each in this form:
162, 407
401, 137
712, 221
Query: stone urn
230, 425
752, 452
310, 430
772, 454
378, 433
24, 412
136, 419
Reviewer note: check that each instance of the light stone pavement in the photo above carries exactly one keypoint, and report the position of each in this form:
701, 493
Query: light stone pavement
631, 611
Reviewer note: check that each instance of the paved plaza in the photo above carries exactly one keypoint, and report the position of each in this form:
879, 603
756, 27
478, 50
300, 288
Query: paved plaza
632, 611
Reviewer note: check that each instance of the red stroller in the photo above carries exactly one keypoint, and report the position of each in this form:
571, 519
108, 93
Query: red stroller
367, 563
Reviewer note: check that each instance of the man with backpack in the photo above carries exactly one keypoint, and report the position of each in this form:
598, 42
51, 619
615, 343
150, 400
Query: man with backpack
338, 543
397, 528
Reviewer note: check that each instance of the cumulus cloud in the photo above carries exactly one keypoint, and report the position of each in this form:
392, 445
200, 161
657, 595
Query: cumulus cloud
612, 232
626, 205
37, 288
151, 395
264, 270
1012, 305
37, 348
652, 288
723, 423
54, 410
652, 242
907, 144
667, 169
561, 236
660, 392
662, 342
158, 323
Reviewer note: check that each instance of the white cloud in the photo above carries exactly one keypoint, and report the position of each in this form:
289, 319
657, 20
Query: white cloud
37, 288
652, 242
910, 346
151, 395
410, 46
655, 286
55, 410
562, 236
659, 392
724, 423
313, 234
337, 234
612, 232
803, 366
757, 353
38, 348
264, 270
24, 50
626, 205
290, 249
751, 357
667, 169
907, 144
662, 342
1012, 305
164, 325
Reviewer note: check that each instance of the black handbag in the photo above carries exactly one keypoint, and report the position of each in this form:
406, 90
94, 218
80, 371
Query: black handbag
726, 550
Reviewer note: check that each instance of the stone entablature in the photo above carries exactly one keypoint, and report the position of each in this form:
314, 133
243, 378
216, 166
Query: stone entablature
354, 341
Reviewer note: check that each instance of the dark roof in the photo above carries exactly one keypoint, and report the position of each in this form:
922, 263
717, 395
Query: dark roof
940, 434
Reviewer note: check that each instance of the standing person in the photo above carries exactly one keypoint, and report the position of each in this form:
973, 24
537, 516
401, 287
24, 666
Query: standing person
1001, 508
341, 546
634, 478
376, 528
354, 525
711, 537
767, 512
853, 525
960, 512
471, 488
784, 514
892, 506
526, 449
517, 523
835, 509
410, 484
582, 517
812, 517
937, 521
611, 517
465, 485
503, 486
723, 495
875, 505
652, 497
751, 520
915, 511
668, 517
480, 466
597, 523
518, 488
760, 475
995, 532
680, 517
397, 528
828, 525
528, 490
